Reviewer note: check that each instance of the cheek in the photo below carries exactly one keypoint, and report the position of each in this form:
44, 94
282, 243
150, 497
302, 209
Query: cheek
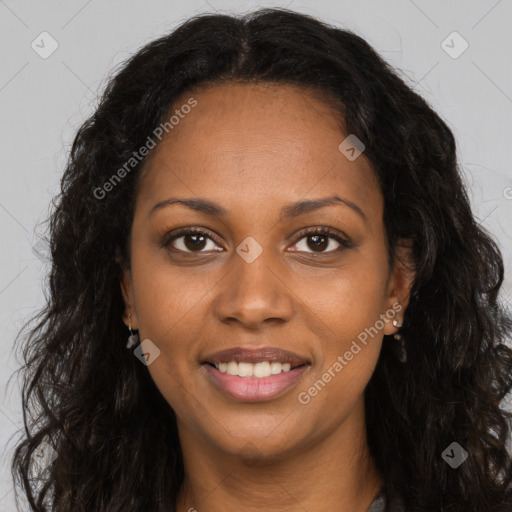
169, 300
346, 359
346, 307
170, 309
350, 298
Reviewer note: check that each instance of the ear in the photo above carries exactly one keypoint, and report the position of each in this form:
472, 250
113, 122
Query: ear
400, 282
127, 292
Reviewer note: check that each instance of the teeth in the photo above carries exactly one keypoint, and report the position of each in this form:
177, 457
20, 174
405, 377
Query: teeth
275, 367
259, 370
245, 369
262, 369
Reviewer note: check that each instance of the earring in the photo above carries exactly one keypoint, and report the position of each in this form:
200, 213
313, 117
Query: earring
400, 351
396, 323
133, 339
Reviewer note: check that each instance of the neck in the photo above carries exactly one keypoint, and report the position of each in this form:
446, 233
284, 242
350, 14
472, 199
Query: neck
332, 473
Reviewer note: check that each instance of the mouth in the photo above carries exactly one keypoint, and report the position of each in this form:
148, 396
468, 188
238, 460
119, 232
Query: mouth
255, 374
258, 370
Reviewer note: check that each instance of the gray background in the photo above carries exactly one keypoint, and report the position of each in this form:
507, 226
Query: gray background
44, 101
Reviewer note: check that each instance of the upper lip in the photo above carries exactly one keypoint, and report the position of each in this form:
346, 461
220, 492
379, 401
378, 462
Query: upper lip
246, 355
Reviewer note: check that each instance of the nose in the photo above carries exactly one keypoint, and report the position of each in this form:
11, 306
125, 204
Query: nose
254, 294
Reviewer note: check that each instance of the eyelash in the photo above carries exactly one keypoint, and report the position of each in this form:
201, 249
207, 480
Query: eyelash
322, 230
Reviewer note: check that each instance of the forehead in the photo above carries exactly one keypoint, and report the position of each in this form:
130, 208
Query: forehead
267, 143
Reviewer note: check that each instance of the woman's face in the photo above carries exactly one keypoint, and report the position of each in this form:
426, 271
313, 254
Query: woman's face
267, 161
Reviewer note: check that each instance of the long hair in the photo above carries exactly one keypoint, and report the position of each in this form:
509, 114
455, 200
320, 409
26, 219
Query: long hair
88, 398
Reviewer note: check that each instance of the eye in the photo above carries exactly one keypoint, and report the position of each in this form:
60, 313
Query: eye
195, 240
191, 240
320, 238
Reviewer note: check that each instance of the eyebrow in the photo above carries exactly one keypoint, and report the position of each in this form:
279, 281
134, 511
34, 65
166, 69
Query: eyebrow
287, 212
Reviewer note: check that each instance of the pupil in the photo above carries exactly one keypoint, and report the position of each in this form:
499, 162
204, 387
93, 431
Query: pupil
199, 240
321, 245
196, 244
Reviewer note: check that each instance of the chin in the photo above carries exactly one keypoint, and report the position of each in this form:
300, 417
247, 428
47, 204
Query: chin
259, 442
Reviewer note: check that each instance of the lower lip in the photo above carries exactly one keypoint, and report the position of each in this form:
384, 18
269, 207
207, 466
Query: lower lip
252, 389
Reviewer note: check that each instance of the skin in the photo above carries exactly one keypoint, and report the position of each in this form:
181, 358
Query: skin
254, 149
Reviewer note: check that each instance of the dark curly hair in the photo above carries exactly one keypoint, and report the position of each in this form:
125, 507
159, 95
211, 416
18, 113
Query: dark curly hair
88, 398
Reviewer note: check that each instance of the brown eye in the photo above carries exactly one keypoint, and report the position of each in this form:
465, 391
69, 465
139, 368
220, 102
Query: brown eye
192, 240
320, 239
319, 242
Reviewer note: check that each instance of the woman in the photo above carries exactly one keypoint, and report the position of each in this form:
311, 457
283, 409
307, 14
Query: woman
268, 291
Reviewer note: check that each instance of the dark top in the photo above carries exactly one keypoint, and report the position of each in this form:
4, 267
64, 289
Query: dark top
379, 503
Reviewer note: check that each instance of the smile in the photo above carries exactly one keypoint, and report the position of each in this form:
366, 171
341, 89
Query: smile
257, 370
254, 389
254, 374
